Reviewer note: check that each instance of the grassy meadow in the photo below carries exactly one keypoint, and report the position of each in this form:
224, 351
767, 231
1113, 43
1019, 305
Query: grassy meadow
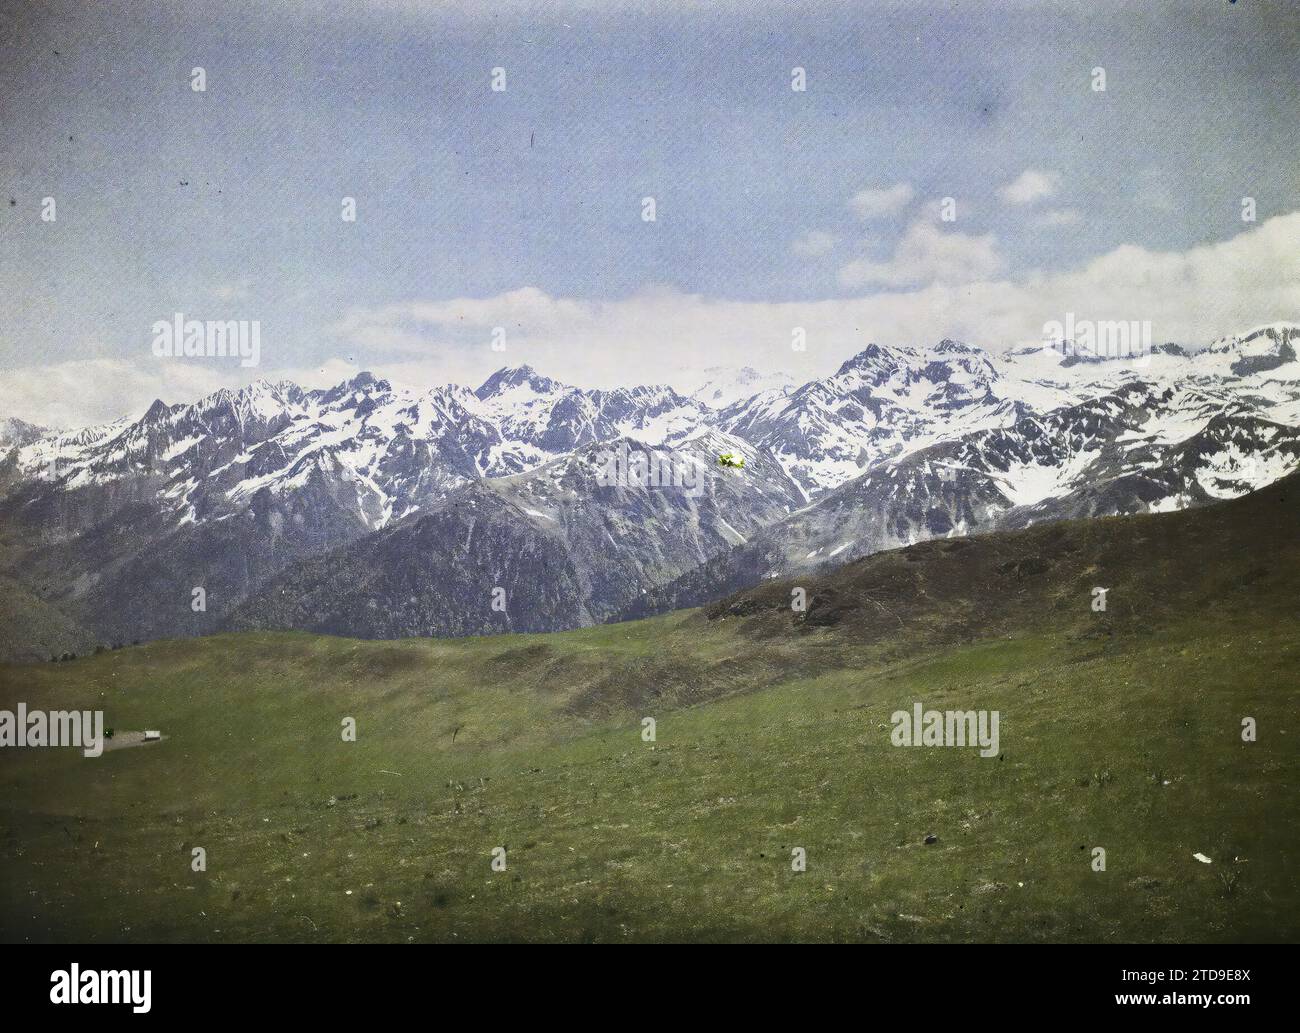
463, 746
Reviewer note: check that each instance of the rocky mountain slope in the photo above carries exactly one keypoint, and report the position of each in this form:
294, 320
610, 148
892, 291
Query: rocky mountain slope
558, 547
1120, 454
260, 494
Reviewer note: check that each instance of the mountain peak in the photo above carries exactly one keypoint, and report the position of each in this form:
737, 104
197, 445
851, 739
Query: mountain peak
874, 358
509, 377
949, 345
14, 431
157, 411
365, 379
364, 382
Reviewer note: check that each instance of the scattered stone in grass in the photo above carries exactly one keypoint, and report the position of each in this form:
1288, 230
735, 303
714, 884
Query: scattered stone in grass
931, 839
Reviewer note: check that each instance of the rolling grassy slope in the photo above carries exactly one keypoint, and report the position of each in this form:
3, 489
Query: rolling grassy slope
1119, 730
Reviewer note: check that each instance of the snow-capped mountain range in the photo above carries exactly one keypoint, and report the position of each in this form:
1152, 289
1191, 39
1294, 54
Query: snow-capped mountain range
900, 443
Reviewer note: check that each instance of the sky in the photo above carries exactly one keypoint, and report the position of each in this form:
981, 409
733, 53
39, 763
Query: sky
523, 208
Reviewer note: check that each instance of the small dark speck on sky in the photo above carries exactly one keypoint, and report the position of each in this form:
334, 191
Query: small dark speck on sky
12, 202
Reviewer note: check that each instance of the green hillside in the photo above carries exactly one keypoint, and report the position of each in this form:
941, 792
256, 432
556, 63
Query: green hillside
32, 629
1119, 730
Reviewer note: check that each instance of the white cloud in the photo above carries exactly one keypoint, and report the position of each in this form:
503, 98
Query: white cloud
926, 255
659, 335
1030, 186
814, 243
86, 391
874, 203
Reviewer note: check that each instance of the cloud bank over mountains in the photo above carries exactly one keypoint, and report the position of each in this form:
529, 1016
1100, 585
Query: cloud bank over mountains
661, 335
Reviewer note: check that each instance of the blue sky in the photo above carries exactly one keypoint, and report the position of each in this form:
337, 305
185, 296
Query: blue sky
533, 196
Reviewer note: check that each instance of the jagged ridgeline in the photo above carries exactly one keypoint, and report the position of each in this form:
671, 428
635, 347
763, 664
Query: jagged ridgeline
370, 510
